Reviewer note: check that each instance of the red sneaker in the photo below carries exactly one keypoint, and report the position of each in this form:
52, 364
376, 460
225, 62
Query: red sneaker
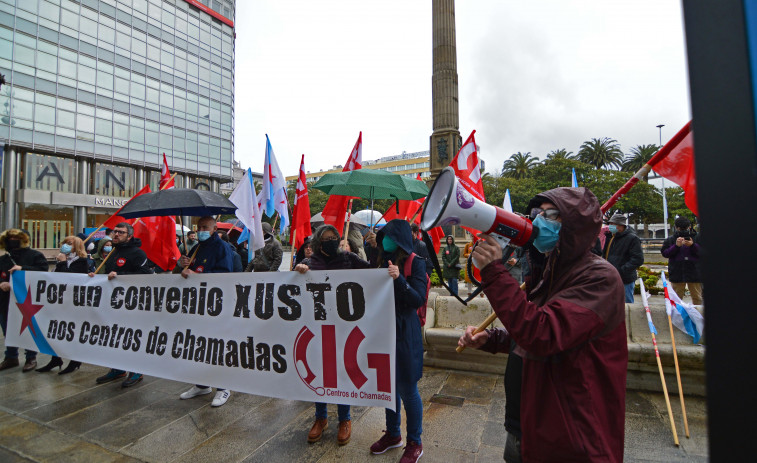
412, 453
385, 443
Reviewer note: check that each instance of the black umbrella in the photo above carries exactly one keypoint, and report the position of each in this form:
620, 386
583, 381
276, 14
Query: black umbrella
178, 201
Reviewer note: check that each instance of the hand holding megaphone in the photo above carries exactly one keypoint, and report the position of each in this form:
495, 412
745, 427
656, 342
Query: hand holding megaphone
487, 250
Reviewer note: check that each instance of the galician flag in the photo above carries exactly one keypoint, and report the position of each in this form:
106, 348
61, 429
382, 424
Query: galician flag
574, 180
273, 197
506, 204
684, 316
335, 210
246, 201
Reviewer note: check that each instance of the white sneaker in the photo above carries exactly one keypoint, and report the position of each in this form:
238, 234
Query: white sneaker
195, 391
221, 398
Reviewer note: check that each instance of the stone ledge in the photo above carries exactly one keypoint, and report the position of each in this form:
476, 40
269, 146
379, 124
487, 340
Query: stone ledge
446, 318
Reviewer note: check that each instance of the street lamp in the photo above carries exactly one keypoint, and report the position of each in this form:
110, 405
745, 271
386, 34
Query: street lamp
664, 199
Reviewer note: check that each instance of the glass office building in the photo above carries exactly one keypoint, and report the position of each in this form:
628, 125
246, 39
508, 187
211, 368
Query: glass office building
97, 91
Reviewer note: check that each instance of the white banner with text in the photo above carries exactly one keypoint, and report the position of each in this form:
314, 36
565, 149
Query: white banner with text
326, 336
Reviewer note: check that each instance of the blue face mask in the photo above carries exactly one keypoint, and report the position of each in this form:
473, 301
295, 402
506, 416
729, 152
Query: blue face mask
549, 233
107, 248
613, 229
389, 245
203, 235
66, 248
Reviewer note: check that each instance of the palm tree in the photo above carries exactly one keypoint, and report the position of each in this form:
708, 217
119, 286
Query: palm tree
562, 153
519, 164
601, 153
639, 156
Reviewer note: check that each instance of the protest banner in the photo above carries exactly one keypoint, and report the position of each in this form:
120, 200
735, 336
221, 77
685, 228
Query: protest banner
326, 336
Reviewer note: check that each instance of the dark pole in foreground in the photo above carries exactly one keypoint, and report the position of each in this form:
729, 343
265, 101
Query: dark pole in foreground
717, 35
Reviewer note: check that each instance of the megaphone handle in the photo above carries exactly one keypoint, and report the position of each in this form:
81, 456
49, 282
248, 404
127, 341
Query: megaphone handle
489, 320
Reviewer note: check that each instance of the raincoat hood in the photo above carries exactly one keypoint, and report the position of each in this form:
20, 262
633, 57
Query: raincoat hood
581, 219
399, 231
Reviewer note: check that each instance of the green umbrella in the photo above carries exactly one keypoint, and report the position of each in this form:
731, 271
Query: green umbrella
372, 184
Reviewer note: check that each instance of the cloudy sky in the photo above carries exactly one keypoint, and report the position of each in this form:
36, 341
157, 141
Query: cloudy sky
534, 76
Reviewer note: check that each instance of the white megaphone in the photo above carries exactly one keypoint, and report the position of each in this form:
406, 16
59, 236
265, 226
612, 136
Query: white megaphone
449, 203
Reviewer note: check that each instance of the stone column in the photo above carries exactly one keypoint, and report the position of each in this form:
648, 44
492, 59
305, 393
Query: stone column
445, 141
10, 185
82, 187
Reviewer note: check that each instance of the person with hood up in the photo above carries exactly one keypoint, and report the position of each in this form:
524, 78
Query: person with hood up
305, 251
328, 255
394, 243
72, 259
267, 259
569, 330
451, 264
682, 251
623, 250
126, 258
214, 255
18, 256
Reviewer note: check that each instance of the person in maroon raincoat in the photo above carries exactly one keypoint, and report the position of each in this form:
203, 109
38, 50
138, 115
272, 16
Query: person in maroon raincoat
568, 328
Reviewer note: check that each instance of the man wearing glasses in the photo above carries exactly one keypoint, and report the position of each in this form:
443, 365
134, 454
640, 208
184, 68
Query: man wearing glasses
566, 375
126, 258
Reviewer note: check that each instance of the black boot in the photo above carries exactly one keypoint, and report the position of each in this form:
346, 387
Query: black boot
54, 362
72, 365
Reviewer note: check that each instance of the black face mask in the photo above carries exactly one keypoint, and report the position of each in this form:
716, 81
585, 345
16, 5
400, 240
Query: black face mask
330, 247
12, 244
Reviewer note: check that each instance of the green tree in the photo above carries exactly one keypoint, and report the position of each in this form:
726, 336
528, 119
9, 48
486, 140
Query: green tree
561, 153
519, 164
601, 153
640, 155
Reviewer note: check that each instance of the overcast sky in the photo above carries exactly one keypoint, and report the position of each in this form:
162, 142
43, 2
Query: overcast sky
534, 76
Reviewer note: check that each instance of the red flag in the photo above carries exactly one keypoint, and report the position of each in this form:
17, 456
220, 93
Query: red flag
165, 175
336, 207
115, 219
678, 166
301, 210
468, 171
408, 209
158, 236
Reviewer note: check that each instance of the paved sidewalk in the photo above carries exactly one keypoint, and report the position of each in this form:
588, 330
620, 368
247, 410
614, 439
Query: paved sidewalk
51, 418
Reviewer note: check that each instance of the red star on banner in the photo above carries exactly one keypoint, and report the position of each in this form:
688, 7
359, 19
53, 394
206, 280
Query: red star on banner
28, 310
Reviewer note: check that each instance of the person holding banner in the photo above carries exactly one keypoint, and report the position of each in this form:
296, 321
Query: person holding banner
72, 259
328, 255
568, 329
19, 256
394, 244
212, 255
126, 258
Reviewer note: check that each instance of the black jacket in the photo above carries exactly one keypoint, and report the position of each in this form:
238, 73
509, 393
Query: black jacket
683, 261
128, 259
625, 253
80, 265
420, 250
28, 259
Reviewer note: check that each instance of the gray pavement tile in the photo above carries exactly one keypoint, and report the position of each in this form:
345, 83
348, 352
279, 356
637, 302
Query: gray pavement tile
650, 438
487, 454
639, 404
20, 396
494, 434
497, 408
137, 424
94, 416
454, 427
441, 454
192, 429
475, 388
432, 381
245, 435
8, 456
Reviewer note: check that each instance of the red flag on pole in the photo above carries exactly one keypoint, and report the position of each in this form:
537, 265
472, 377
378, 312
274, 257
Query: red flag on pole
158, 236
115, 219
408, 209
301, 210
336, 207
165, 176
678, 165
468, 171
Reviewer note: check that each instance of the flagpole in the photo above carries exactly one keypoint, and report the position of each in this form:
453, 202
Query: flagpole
489, 320
347, 223
678, 371
659, 363
197, 248
294, 252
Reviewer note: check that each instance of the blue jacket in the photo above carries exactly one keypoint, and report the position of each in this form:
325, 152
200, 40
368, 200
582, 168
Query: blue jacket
409, 294
213, 256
